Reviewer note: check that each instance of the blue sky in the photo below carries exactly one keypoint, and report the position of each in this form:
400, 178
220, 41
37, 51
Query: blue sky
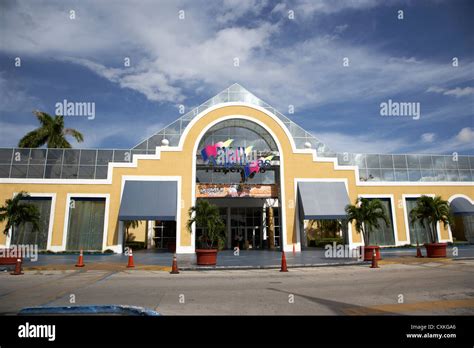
283, 61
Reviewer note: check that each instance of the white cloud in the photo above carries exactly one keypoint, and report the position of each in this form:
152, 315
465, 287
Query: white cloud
10, 133
231, 10
14, 98
309, 8
457, 92
367, 143
341, 28
462, 141
460, 92
171, 57
95, 131
466, 135
428, 137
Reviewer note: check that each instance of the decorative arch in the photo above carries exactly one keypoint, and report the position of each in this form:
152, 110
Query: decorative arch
269, 128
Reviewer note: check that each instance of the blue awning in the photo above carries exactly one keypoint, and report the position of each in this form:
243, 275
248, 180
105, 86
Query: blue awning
322, 200
149, 200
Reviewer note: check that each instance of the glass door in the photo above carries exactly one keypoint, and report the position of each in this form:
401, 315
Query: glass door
253, 237
238, 237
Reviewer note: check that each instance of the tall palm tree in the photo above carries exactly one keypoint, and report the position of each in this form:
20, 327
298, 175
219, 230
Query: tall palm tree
51, 132
430, 211
17, 213
206, 216
367, 214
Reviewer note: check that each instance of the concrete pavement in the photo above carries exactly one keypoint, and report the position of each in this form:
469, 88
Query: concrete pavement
434, 287
248, 259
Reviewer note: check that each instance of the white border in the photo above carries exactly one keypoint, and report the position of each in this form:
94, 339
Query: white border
179, 248
394, 215
405, 213
159, 149
106, 219
51, 219
450, 199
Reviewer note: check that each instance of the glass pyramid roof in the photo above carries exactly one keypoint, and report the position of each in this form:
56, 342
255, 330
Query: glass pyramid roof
234, 93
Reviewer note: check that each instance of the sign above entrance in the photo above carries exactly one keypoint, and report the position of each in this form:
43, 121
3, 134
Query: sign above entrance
222, 155
237, 190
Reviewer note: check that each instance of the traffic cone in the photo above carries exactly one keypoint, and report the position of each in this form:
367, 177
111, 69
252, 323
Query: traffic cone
80, 261
294, 250
17, 270
283, 262
375, 263
418, 251
130, 260
174, 267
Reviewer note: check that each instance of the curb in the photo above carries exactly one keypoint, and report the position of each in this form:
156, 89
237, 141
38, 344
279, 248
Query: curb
314, 265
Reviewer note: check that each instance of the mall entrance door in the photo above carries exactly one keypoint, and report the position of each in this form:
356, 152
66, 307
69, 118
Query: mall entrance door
165, 235
246, 228
247, 238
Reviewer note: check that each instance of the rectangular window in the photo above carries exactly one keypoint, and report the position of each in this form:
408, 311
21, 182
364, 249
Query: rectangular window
86, 223
24, 234
417, 232
384, 235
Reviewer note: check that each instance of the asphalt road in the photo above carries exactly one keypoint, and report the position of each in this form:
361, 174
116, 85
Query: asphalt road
426, 288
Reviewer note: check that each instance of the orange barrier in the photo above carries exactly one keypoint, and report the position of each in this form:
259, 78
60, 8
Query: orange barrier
130, 259
17, 270
418, 251
80, 261
174, 267
375, 263
283, 268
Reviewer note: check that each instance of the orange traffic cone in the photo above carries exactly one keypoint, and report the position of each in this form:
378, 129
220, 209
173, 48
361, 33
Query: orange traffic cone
17, 270
80, 261
375, 263
130, 259
283, 262
174, 267
418, 251
294, 250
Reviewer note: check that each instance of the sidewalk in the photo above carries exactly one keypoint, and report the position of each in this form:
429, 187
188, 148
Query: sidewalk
248, 259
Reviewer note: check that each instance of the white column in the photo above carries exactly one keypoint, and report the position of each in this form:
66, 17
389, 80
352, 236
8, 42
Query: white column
229, 234
150, 233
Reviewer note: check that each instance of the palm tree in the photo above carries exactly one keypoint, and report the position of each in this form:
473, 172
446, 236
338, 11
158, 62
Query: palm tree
367, 214
206, 216
17, 213
51, 132
431, 210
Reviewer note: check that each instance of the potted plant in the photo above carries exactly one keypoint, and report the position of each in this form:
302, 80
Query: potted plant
429, 211
367, 213
206, 217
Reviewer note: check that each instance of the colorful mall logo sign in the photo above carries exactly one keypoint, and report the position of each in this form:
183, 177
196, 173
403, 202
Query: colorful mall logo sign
222, 155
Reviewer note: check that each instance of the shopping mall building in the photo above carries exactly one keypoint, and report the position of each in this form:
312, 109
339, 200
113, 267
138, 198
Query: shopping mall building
244, 156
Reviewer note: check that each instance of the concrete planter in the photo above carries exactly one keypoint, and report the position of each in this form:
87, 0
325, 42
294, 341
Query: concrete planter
436, 249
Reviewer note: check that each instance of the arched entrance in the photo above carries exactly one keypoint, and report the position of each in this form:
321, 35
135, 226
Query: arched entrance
463, 212
238, 170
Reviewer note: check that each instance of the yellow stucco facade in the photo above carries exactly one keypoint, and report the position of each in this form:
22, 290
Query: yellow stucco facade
179, 162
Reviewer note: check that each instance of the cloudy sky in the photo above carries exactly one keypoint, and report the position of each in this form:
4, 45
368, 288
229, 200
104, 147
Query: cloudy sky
290, 53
